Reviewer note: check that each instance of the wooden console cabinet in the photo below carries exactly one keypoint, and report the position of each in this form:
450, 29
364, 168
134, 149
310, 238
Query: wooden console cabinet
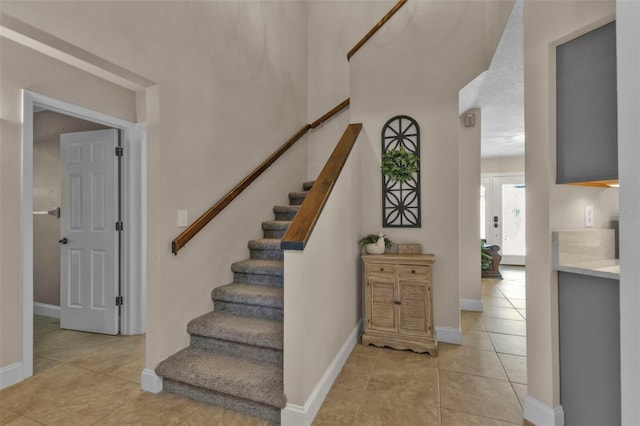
398, 302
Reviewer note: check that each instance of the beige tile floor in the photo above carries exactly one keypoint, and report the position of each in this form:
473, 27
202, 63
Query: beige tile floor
481, 382
89, 379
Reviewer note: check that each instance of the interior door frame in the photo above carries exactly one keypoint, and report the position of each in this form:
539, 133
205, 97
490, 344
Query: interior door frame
133, 199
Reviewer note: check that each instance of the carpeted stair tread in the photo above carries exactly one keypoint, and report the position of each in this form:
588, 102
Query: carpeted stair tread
282, 208
307, 185
238, 328
246, 378
265, 244
275, 225
259, 267
250, 294
297, 197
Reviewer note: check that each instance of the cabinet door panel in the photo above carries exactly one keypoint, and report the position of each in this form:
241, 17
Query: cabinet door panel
414, 311
381, 305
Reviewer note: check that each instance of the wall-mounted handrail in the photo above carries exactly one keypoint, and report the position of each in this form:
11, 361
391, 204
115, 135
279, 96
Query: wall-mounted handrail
376, 27
299, 231
214, 210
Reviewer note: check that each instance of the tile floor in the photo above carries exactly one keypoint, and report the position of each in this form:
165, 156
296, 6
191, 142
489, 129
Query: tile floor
89, 379
481, 382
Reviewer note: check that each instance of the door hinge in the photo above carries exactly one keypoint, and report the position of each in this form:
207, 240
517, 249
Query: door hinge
119, 151
119, 300
119, 226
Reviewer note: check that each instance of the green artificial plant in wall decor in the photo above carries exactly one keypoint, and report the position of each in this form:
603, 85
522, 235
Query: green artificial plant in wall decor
399, 165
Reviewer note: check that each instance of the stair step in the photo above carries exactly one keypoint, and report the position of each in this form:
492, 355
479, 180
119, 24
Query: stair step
260, 301
238, 328
275, 228
259, 267
307, 185
283, 212
207, 396
297, 197
248, 294
245, 378
266, 249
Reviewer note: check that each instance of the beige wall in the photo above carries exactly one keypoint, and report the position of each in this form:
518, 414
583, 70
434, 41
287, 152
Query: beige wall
469, 210
47, 128
548, 205
323, 291
231, 88
22, 68
334, 28
502, 164
436, 63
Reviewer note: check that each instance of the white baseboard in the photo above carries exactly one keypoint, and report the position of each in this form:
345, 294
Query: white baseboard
471, 305
46, 310
150, 381
298, 415
449, 335
541, 414
10, 375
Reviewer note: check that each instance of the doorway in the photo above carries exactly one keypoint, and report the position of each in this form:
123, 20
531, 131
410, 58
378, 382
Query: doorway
133, 213
502, 215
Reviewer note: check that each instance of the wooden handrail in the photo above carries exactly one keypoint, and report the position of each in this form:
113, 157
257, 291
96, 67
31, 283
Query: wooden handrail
304, 221
207, 216
342, 105
375, 28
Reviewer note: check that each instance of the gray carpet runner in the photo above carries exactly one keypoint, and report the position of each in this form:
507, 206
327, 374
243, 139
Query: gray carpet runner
235, 356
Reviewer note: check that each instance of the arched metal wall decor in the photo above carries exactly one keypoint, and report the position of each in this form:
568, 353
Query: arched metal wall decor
401, 200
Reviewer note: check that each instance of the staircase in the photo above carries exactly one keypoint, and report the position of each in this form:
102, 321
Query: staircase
235, 356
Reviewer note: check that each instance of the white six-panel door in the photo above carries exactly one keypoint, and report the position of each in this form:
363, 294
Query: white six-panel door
89, 241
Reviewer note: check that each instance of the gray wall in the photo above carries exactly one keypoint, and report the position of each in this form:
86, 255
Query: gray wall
47, 127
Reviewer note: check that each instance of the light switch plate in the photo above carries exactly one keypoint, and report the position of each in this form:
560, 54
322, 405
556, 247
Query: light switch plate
588, 216
183, 219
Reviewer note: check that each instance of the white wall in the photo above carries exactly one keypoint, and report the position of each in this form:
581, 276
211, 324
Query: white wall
22, 68
628, 52
334, 28
231, 88
436, 63
323, 289
502, 164
469, 213
549, 206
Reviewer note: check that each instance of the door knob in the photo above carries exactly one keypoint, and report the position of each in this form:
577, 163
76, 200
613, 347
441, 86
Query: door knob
63, 241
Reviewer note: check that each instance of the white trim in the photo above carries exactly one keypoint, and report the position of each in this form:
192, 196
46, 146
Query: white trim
541, 414
134, 216
150, 381
473, 305
10, 375
297, 415
449, 335
503, 174
46, 310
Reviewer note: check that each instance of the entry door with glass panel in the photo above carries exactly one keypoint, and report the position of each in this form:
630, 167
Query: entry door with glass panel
502, 216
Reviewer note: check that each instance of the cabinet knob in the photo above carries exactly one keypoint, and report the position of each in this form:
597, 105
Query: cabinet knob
381, 269
397, 302
413, 271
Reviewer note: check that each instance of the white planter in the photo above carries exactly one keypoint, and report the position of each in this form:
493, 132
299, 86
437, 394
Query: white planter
374, 248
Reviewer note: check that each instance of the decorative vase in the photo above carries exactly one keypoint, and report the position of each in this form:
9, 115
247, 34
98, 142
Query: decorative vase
377, 247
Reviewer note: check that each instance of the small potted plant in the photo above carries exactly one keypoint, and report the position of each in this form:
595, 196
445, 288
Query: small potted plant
376, 243
399, 165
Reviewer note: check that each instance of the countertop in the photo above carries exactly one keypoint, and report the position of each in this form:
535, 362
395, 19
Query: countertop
587, 252
608, 268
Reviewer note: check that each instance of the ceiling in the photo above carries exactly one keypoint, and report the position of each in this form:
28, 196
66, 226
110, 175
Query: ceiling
499, 92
